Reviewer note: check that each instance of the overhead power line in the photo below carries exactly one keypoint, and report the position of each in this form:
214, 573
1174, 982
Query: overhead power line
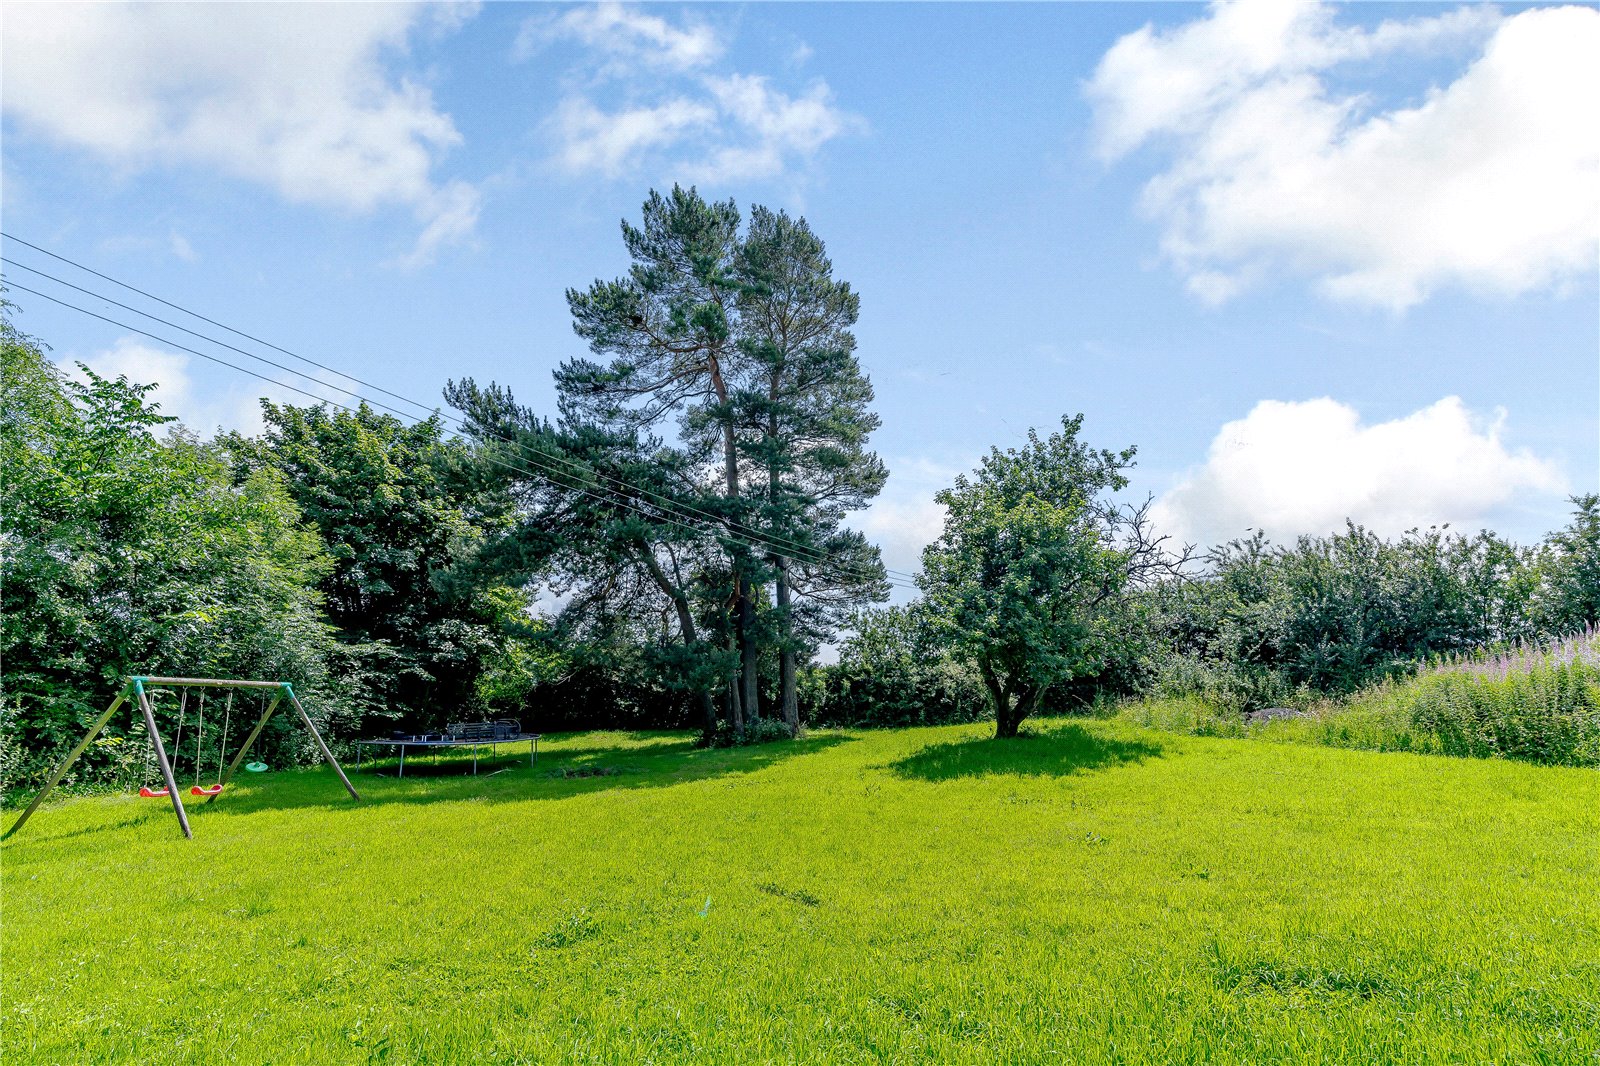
801, 553
542, 464
785, 547
203, 318
533, 467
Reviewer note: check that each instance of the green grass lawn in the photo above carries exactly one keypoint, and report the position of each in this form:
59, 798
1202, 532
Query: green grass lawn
1096, 893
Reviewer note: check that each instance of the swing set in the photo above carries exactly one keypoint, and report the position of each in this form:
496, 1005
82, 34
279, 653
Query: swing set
138, 689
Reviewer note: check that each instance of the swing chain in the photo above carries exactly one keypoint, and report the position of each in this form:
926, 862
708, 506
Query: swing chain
199, 735
227, 715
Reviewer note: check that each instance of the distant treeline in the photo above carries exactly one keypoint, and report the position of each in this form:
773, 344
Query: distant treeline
684, 509
1259, 625
684, 516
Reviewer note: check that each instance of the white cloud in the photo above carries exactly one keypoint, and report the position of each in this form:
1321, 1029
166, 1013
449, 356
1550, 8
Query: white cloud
181, 247
201, 408
731, 128
1488, 183
142, 364
626, 34
904, 518
1303, 467
296, 97
767, 129
595, 142
658, 107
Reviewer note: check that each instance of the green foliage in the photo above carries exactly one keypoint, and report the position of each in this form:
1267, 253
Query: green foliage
1537, 704
1568, 571
1270, 625
690, 498
893, 670
398, 520
1542, 706
1092, 893
1028, 579
805, 409
125, 552
1191, 715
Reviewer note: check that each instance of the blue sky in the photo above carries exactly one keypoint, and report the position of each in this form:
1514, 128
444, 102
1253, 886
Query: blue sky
1314, 261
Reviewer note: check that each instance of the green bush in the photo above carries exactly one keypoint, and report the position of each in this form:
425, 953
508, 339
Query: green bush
1547, 713
1533, 704
1193, 715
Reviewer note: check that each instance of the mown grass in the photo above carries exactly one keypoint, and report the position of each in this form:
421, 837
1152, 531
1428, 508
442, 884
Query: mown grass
1097, 893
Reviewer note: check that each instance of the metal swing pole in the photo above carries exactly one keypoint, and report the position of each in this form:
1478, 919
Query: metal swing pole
294, 701
161, 756
250, 740
72, 756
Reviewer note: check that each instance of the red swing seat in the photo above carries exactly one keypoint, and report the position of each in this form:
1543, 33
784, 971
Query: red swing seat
194, 790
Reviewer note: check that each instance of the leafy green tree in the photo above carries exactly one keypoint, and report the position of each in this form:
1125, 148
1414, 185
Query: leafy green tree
1568, 597
895, 668
1031, 575
806, 406
124, 551
397, 519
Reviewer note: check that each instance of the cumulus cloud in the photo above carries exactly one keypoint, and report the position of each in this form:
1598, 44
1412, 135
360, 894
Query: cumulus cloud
654, 104
626, 34
592, 141
294, 97
1487, 183
201, 408
1289, 468
904, 518
769, 129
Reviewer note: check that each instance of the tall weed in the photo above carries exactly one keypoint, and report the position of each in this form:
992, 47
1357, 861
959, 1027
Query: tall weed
1536, 703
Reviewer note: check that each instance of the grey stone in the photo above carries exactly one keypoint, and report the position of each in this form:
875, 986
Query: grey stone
1269, 714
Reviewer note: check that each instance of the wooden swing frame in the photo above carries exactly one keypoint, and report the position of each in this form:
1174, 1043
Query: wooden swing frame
133, 688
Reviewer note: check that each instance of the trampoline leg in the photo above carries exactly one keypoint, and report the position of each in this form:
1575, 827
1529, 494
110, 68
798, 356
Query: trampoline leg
402, 772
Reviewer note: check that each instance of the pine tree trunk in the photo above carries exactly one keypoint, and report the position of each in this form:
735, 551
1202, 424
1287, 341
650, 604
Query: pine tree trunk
786, 658
749, 655
735, 702
708, 715
746, 704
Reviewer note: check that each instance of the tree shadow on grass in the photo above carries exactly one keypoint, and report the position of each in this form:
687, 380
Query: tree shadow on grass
559, 774
578, 765
1056, 752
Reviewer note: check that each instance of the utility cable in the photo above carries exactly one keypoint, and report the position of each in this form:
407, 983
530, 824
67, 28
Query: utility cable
781, 545
535, 465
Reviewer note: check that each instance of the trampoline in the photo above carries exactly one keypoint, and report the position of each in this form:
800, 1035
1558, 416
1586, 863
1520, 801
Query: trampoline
476, 735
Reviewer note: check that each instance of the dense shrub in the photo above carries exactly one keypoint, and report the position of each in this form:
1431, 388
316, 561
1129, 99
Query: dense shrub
1538, 704
122, 552
1542, 705
1329, 616
892, 671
